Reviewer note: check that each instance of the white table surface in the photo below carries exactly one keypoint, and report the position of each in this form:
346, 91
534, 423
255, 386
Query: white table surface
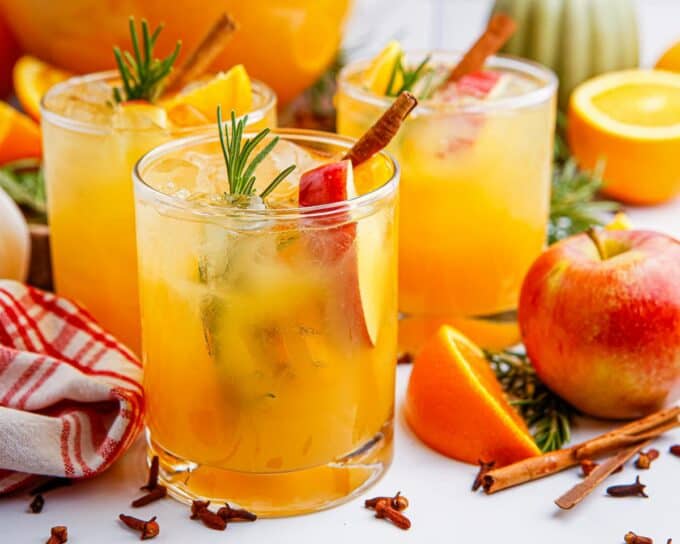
442, 507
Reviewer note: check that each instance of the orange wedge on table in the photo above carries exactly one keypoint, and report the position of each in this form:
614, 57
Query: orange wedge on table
670, 60
19, 135
456, 406
232, 90
629, 121
32, 79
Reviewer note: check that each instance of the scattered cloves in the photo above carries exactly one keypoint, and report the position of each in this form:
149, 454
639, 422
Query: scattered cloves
155, 494
675, 450
398, 502
644, 460
212, 520
58, 535
152, 482
37, 504
147, 529
632, 538
383, 510
197, 507
405, 358
484, 467
636, 489
227, 513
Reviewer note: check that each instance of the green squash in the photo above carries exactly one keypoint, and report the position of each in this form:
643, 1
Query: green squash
578, 39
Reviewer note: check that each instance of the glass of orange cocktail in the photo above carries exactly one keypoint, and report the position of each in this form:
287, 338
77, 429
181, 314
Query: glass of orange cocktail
269, 324
91, 143
476, 162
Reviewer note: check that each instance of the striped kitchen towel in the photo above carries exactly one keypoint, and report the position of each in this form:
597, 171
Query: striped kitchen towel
71, 398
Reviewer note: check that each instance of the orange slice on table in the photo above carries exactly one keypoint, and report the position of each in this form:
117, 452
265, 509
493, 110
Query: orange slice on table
377, 76
629, 121
19, 135
32, 79
231, 90
456, 406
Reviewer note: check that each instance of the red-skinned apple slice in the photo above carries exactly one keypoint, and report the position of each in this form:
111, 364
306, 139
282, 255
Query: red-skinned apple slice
351, 245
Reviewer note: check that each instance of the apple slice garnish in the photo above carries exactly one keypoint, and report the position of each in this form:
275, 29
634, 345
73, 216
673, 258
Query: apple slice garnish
352, 246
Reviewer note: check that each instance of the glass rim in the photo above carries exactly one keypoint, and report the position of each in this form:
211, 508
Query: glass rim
208, 211
64, 121
526, 67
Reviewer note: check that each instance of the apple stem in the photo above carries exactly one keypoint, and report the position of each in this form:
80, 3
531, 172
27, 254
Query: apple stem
597, 241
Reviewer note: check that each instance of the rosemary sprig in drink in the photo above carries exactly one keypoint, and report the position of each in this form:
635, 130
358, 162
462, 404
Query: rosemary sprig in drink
142, 75
409, 77
240, 168
547, 415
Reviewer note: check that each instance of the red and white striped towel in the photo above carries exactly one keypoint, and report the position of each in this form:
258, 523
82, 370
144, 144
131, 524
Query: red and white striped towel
71, 398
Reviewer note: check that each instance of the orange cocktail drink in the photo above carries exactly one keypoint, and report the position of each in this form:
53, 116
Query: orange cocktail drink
269, 324
90, 146
476, 163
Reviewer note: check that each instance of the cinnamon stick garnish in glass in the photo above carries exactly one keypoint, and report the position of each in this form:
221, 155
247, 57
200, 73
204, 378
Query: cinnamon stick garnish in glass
200, 59
381, 133
537, 467
580, 491
498, 31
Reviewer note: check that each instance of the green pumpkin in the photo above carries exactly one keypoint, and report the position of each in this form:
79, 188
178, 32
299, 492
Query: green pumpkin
578, 39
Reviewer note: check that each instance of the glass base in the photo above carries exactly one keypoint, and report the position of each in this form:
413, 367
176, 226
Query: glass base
280, 493
493, 332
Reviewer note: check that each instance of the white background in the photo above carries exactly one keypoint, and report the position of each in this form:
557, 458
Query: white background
443, 508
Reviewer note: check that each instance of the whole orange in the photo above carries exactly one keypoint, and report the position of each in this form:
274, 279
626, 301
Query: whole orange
9, 53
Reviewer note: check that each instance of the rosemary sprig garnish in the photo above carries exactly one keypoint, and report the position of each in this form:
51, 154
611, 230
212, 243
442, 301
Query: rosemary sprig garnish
240, 168
574, 206
409, 76
546, 414
142, 75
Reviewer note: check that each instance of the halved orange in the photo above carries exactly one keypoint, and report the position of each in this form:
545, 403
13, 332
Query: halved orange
32, 79
19, 135
670, 60
231, 90
456, 406
630, 122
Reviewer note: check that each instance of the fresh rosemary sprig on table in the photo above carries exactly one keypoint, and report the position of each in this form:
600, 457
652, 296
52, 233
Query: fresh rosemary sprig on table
547, 415
142, 75
409, 77
24, 182
240, 168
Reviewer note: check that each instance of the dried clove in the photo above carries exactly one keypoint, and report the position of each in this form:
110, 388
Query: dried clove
49, 485
227, 513
383, 510
484, 467
636, 489
152, 482
398, 502
155, 494
587, 466
37, 504
675, 450
212, 520
58, 535
632, 538
405, 358
197, 507
644, 460
147, 529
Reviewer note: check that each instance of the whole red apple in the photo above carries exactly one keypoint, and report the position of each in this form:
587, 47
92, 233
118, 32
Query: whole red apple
600, 317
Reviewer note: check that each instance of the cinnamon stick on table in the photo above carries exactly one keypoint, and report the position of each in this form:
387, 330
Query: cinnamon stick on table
200, 59
498, 31
537, 467
580, 491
